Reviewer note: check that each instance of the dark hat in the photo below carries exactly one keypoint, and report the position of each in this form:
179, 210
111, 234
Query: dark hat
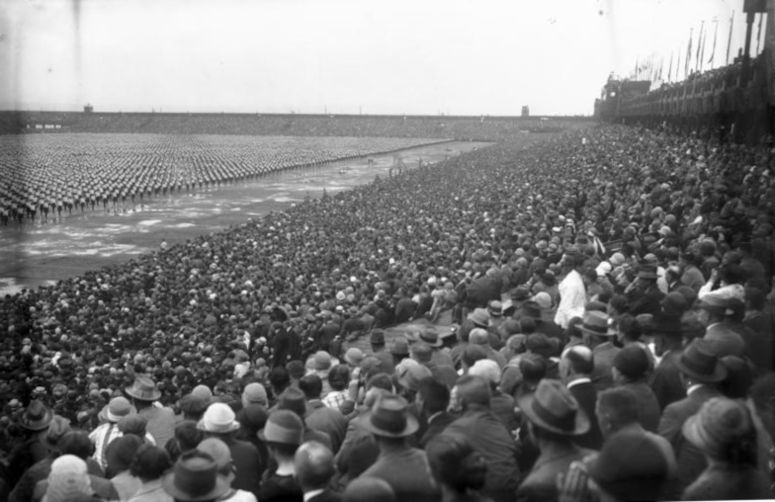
724, 342
143, 389
133, 424
400, 347
410, 373
595, 323
596, 305
520, 293
674, 303
629, 476
540, 344
58, 427
531, 309
699, 362
553, 407
293, 399
195, 478
192, 404
283, 427
389, 417
121, 451
632, 361
377, 337
495, 308
36, 417
430, 337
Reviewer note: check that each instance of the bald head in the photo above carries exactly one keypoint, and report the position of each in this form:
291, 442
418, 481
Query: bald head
577, 360
314, 464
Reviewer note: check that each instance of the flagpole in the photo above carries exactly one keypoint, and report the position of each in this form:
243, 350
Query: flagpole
715, 36
729, 40
700, 41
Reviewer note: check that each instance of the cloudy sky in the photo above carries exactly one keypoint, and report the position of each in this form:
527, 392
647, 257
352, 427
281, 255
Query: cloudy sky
343, 56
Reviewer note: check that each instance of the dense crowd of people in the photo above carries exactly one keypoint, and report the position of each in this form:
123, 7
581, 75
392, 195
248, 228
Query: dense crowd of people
609, 290
43, 177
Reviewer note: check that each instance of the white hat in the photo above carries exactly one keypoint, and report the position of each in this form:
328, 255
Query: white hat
219, 418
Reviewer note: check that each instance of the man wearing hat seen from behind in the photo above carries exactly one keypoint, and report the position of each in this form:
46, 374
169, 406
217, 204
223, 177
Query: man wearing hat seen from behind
319, 416
643, 295
219, 421
403, 467
666, 381
314, 464
575, 368
701, 373
488, 436
34, 421
195, 478
283, 436
554, 419
161, 420
378, 350
111, 414
631, 367
439, 356
598, 336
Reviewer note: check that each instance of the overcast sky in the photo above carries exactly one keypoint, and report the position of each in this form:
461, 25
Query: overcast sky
467, 57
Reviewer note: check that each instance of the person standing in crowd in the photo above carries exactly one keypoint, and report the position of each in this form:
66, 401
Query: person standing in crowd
554, 419
283, 436
458, 468
314, 464
631, 366
160, 420
576, 366
573, 293
149, 465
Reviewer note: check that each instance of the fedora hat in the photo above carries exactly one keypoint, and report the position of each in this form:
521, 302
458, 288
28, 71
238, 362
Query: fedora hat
647, 271
495, 308
219, 418
479, 317
284, 427
720, 422
390, 417
595, 323
430, 337
36, 417
553, 407
400, 347
699, 362
195, 478
115, 410
143, 389
293, 399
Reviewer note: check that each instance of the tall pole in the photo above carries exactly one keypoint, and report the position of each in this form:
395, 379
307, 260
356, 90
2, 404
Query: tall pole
729, 40
700, 43
715, 36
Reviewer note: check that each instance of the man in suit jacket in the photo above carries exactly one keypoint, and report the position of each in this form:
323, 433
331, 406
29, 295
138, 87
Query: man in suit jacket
320, 417
433, 398
314, 465
576, 365
554, 419
666, 380
701, 372
631, 366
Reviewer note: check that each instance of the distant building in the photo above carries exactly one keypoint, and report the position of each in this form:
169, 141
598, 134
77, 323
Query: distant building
525, 111
88, 108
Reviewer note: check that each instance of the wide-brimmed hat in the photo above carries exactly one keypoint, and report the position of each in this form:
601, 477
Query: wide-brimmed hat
699, 362
377, 337
255, 392
595, 323
647, 271
115, 410
479, 317
553, 407
220, 453
143, 389
353, 356
410, 373
632, 361
293, 399
36, 417
495, 308
720, 422
389, 417
219, 418
195, 478
321, 361
283, 427
430, 337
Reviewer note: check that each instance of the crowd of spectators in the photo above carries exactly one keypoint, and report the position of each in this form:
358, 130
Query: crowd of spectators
611, 293
43, 177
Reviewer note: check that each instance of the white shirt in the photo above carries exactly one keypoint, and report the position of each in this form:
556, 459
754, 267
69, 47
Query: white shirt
573, 297
312, 493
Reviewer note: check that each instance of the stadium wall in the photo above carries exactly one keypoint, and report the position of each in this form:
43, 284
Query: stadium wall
447, 127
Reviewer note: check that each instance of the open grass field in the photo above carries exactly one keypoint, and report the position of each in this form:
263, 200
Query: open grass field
40, 253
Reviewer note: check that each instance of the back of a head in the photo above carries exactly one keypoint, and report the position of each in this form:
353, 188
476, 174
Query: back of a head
339, 376
435, 395
314, 464
368, 489
188, 435
455, 463
76, 443
473, 353
68, 480
295, 369
533, 367
120, 453
150, 463
279, 378
617, 406
311, 385
580, 358
473, 390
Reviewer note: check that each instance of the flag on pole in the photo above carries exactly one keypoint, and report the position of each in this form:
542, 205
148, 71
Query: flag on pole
700, 41
670, 66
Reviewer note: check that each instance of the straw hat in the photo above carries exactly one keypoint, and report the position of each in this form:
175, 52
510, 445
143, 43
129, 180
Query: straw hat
143, 389
219, 418
195, 478
36, 417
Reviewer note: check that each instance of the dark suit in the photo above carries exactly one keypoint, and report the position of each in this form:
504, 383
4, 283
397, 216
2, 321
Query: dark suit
691, 462
604, 360
586, 395
648, 406
666, 380
540, 485
329, 420
436, 425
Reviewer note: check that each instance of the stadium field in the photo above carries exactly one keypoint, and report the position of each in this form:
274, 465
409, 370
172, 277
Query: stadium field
39, 253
